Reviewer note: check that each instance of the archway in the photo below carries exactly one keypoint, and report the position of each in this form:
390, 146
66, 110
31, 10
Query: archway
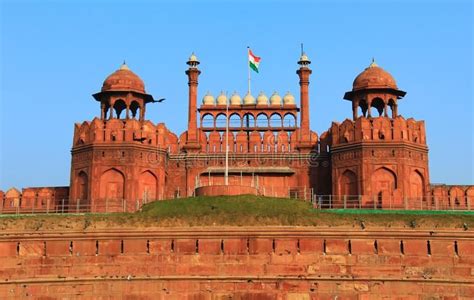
379, 105
363, 107
207, 121
119, 106
234, 121
112, 185
275, 120
221, 121
262, 120
135, 109
417, 186
248, 121
348, 184
289, 120
147, 187
383, 183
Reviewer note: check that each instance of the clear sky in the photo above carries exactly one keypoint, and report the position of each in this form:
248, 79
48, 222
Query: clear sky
55, 54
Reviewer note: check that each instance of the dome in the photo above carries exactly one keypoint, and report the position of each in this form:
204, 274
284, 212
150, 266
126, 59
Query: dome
222, 99
275, 99
374, 77
123, 80
304, 60
288, 99
208, 99
235, 99
262, 99
249, 99
193, 61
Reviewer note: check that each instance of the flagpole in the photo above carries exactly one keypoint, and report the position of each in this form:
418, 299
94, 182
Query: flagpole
226, 174
248, 65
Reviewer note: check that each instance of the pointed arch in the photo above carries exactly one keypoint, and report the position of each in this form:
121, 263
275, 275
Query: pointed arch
383, 182
262, 120
119, 106
417, 185
379, 105
147, 186
348, 184
112, 184
135, 109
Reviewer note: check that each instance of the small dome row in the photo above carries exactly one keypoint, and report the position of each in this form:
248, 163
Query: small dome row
262, 99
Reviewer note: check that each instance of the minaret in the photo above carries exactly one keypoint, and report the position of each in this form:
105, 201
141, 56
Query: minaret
303, 72
192, 141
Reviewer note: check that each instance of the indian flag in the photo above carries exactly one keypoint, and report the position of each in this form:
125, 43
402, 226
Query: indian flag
254, 61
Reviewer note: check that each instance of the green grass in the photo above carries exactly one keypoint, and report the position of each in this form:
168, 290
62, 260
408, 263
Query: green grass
243, 210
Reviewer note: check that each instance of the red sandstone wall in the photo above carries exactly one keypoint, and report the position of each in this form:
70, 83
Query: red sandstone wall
265, 263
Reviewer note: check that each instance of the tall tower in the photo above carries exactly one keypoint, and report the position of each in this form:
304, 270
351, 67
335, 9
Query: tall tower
118, 159
381, 156
304, 72
192, 140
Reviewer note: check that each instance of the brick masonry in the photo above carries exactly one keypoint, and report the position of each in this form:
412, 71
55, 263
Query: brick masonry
238, 263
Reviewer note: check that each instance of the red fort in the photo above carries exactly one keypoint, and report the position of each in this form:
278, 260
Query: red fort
379, 158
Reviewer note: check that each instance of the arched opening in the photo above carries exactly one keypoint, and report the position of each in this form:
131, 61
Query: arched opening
275, 120
147, 187
207, 121
135, 109
363, 107
348, 184
235, 121
379, 105
262, 120
417, 186
119, 106
289, 120
82, 187
112, 185
221, 120
393, 107
248, 121
383, 183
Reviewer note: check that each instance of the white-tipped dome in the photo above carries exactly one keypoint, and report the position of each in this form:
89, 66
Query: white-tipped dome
222, 99
275, 99
235, 99
249, 99
208, 99
262, 99
289, 99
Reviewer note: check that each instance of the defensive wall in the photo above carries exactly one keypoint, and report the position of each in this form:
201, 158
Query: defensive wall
243, 263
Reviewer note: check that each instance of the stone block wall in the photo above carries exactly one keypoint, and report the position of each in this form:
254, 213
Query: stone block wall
243, 263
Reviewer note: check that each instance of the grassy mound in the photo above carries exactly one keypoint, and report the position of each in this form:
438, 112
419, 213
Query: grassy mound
243, 210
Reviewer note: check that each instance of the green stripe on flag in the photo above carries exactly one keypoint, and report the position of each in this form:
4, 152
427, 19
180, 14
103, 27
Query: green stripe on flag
253, 67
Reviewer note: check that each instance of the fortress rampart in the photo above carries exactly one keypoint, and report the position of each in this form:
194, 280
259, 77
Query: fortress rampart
250, 263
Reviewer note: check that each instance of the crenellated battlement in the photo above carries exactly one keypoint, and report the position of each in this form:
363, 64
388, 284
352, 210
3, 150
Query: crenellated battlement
125, 131
379, 129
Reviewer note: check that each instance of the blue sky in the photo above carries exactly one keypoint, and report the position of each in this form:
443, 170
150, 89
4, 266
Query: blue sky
55, 54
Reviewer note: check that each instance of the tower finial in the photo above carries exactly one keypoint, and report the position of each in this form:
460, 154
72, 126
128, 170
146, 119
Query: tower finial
373, 63
124, 66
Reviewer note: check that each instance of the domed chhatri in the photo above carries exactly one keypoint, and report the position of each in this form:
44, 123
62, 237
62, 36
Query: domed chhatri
374, 77
249, 99
262, 99
208, 99
275, 99
123, 80
235, 99
288, 99
222, 99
